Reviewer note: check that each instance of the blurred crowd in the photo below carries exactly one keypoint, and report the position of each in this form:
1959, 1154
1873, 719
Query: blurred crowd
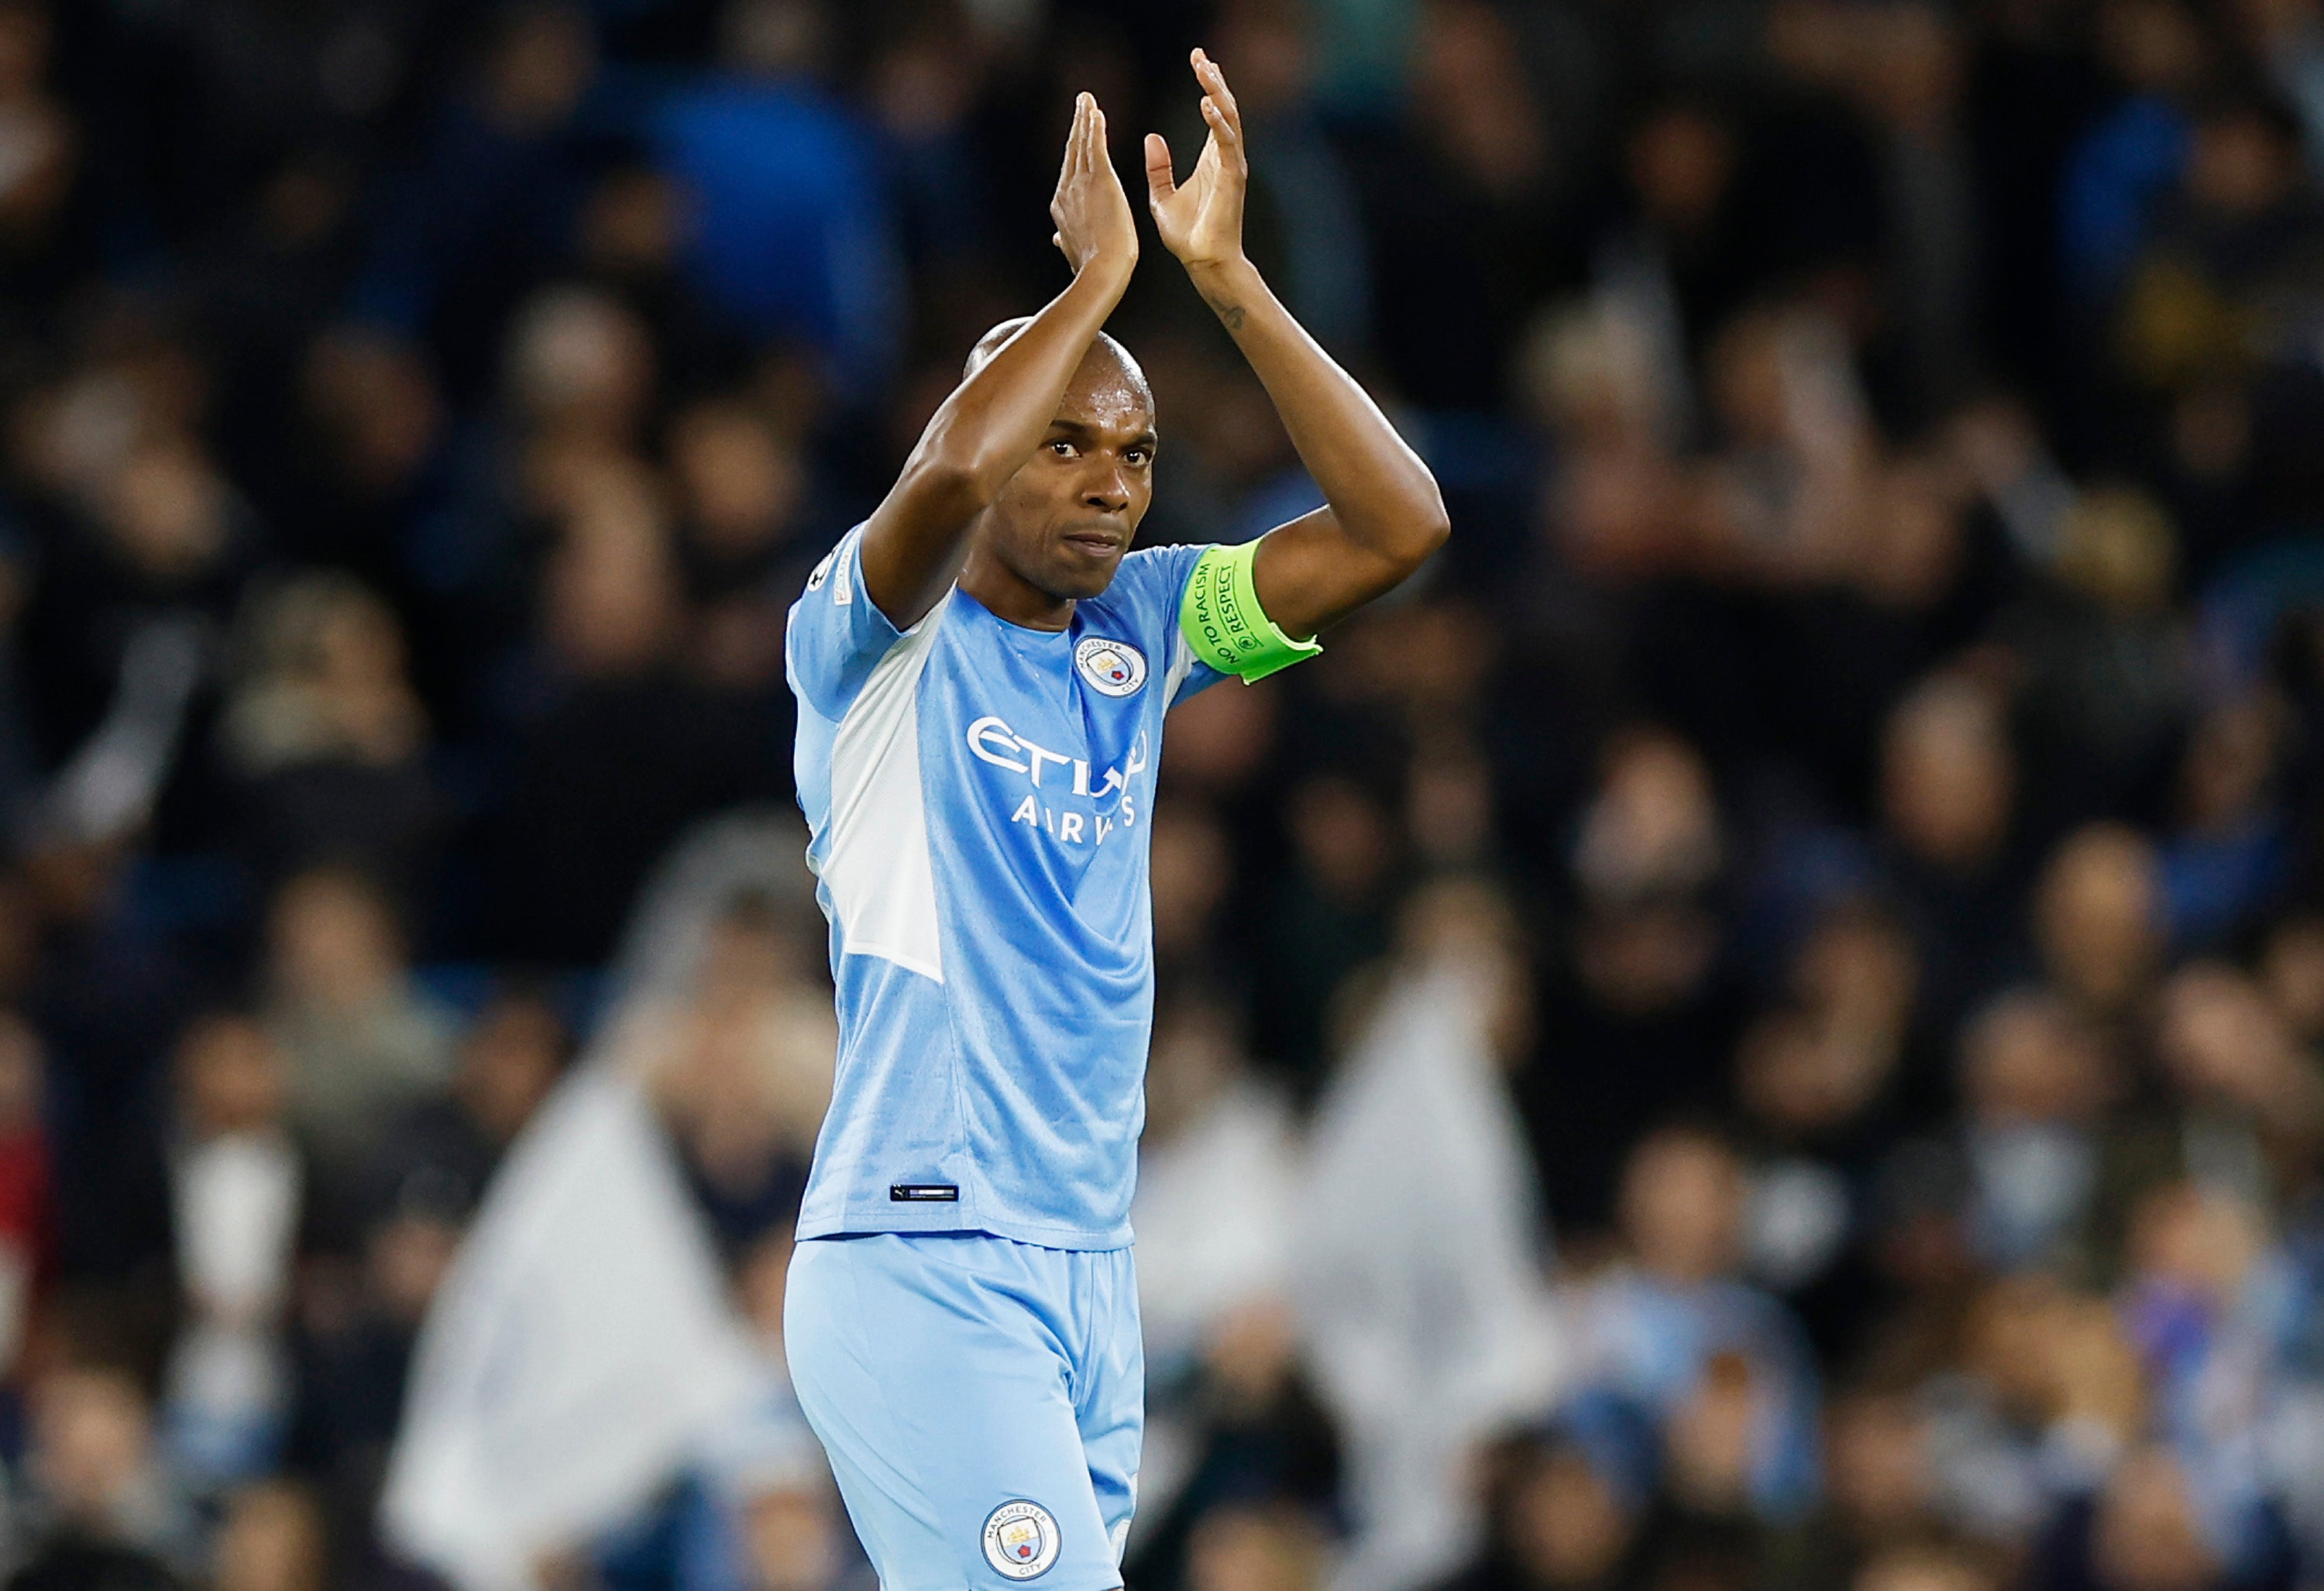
1761, 1027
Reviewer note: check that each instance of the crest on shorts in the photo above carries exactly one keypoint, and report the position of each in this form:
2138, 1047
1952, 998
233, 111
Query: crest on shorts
1020, 1540
1114, 667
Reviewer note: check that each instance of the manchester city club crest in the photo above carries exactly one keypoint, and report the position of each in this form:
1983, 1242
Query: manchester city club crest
1115, 668
1020, 1540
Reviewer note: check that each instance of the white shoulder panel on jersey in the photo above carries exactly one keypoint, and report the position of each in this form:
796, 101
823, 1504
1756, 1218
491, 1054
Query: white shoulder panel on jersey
882, 882
1182, 664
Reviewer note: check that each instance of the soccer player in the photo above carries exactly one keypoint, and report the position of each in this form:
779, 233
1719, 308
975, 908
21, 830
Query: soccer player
982, 668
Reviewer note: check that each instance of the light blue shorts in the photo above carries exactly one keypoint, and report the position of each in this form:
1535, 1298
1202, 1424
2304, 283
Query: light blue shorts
981, 1402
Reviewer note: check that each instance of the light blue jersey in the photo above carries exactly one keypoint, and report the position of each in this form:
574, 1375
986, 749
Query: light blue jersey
978, 795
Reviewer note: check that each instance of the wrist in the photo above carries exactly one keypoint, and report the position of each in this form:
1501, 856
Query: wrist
1109, 272
1233, 273
1231, 287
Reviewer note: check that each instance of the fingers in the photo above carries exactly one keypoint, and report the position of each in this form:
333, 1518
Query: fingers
1073, 142
1160, 184
1216, 94
1071, 174
1101, 153
1221, 127
1085, 145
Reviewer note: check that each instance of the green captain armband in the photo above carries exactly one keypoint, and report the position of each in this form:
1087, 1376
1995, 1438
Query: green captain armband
1221, 618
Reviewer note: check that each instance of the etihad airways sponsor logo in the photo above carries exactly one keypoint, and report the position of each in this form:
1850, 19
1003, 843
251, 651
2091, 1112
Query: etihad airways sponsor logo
1055, 779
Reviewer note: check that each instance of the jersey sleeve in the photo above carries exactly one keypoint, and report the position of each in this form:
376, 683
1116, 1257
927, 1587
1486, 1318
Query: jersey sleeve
1156, 578
836, 634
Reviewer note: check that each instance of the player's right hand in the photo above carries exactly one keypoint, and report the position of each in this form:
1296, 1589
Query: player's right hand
1095, 225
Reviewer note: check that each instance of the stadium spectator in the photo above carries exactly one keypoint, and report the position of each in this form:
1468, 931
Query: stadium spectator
326, 739
28, 1235
451, 1143
97, 1487
272, 1538
1722, 1369
237, 1188
361, 1042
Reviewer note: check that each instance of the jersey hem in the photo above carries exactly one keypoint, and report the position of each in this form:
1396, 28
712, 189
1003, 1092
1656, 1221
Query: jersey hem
927, 1221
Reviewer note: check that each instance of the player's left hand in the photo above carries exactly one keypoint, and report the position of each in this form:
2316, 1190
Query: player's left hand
1200, 219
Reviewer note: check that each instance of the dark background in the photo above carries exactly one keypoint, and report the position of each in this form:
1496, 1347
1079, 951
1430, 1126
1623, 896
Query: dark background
1870, 705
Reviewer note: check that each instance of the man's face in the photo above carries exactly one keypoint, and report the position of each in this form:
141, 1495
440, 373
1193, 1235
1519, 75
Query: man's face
1063, 521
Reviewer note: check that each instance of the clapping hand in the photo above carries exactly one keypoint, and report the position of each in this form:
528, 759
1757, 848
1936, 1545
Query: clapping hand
1094, 222
1200, 219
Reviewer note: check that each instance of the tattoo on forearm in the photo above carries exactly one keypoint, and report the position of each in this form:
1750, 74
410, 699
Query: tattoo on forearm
1231, 314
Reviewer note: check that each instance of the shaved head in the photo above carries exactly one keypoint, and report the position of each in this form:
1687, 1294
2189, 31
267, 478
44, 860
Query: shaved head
1105, 352
1063, 521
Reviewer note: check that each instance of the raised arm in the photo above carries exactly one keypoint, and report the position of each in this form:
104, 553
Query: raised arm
1385, 515
991, 423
